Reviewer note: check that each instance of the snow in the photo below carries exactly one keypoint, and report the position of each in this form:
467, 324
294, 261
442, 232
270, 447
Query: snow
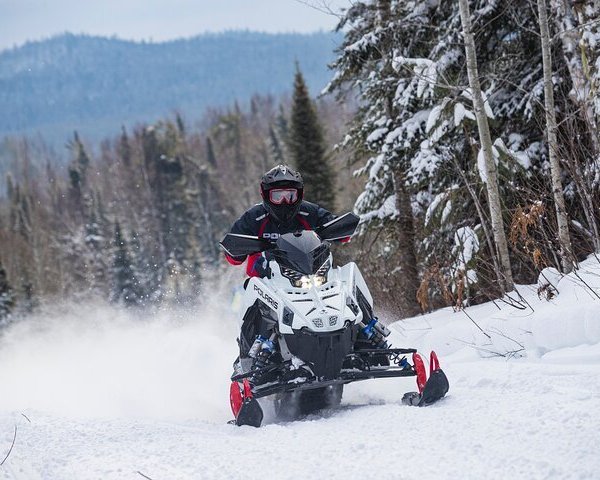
108, 394
460, 113
386, 210
447, 211
439, 198
377, 134
425, 71
466, 240
481, 167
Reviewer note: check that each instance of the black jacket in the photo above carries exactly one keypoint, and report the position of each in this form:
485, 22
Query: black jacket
257, 222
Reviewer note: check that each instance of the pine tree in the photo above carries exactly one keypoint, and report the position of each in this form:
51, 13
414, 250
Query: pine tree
7, 299
307, 147
125, 288
210, 153
124, 148
78, 174
277, 153
94, 241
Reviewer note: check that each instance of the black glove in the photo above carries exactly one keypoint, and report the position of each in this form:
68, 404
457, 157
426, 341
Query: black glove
261, 267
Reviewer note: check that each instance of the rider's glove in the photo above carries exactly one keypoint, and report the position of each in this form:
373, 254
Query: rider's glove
261, 267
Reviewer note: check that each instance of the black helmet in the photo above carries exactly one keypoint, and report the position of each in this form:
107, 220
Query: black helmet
282, 190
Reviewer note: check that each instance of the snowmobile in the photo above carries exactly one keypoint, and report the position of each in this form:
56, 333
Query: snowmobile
323, 333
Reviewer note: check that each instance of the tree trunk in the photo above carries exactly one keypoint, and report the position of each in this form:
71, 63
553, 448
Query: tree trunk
407, 273
564, 240
506, 282
578, 55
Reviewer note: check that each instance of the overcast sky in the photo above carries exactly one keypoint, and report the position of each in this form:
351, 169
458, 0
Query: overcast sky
22, 20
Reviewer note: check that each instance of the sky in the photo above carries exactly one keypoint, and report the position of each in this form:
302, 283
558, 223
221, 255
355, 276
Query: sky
157, 20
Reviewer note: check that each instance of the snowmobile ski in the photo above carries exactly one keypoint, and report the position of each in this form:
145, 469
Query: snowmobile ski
431, 390
245, 407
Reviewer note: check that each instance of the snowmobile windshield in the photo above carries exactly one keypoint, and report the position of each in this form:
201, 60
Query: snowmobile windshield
302, 252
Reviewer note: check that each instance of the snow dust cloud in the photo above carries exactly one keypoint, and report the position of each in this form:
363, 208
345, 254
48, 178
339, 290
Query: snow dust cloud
102, 361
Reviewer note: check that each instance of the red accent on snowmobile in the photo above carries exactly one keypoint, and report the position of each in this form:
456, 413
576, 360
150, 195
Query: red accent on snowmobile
434, 363
244, 406
232, 260
247, 389
235, 398
420, 371
238, 394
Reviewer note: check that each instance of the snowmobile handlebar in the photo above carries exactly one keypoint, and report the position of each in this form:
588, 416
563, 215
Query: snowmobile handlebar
338, 229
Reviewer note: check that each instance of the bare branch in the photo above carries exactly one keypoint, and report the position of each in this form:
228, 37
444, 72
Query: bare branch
145, 476
322, 6
11, 447
476, 324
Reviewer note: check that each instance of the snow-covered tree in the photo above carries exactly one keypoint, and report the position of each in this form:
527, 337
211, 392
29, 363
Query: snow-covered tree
125, 287
416, 126
7, 298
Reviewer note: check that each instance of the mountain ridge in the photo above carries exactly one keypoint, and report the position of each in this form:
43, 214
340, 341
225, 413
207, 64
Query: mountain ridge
95, 84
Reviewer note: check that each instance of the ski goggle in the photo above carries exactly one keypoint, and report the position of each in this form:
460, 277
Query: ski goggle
277, 196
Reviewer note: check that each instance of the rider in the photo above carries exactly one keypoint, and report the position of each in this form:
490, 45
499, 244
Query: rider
282, 211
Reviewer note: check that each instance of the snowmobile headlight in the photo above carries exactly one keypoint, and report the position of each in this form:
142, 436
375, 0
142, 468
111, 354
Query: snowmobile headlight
307, 281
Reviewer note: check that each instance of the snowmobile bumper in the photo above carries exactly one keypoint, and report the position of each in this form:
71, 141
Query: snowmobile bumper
266, 390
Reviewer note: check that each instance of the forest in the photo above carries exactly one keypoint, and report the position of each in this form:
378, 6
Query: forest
464, 134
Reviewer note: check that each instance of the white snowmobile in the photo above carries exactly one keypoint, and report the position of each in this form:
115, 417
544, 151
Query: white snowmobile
322, 331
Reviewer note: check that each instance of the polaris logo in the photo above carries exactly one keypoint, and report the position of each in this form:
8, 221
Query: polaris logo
272, 236
267, 298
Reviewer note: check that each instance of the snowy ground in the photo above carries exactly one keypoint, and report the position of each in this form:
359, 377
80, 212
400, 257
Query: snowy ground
100, 395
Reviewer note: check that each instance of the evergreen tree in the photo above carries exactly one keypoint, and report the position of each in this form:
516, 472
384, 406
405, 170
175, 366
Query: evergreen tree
78, 174
94, 241
124, 148
125, 288
307, 147
210, 153
7, 299
277, 152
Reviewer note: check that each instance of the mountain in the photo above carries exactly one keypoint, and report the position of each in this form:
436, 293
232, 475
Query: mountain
96, 84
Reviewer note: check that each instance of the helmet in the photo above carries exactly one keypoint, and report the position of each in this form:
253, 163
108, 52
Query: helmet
282, 190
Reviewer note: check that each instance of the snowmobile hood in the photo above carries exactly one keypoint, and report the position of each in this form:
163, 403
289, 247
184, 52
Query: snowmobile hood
303, 251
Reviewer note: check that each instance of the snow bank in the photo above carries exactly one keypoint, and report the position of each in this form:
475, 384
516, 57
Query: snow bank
559, 312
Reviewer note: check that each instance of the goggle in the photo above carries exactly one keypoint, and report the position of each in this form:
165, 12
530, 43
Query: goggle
278, 196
